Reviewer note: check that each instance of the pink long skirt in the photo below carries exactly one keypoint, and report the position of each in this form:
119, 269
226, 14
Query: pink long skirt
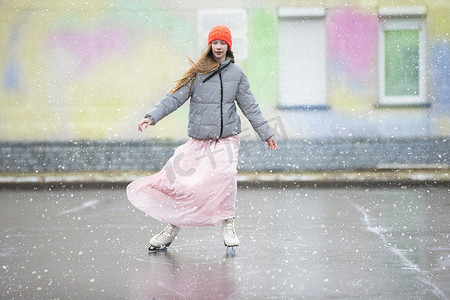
196, 187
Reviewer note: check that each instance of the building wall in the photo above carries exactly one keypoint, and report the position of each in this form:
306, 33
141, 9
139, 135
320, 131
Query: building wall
89, 71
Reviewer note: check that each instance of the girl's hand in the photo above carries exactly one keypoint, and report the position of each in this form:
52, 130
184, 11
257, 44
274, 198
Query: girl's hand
144, 124
271, 143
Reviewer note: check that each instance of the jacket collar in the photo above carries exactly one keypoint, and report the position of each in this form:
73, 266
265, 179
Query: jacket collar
225, 62
222, 66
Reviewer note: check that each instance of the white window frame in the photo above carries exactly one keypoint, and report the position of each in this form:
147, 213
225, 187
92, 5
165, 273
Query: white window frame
319, 100
402, 18
224, 17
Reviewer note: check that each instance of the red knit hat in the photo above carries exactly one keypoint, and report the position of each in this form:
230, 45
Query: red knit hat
220, 32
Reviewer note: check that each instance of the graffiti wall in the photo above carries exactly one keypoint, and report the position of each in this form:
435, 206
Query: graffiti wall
90, 71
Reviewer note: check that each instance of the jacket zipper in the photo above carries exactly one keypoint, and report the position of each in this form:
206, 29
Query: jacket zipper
221, 105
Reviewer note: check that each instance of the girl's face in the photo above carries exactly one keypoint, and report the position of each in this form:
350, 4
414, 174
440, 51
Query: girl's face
219, 50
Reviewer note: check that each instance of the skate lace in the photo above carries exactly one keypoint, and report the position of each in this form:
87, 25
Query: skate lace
229, 226
168, 231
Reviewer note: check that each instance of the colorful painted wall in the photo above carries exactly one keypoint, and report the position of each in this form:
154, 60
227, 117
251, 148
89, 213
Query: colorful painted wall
77, 71
352, 37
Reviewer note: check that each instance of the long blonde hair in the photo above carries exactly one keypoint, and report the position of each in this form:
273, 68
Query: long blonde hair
204, 65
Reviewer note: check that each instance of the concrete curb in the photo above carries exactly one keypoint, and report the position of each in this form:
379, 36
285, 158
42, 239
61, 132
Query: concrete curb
294, 179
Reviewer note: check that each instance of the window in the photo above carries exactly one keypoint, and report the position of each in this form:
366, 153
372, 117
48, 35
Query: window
402, 58
235, 19
302, 58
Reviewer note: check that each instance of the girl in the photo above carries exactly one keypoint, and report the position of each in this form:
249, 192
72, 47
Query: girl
197, 186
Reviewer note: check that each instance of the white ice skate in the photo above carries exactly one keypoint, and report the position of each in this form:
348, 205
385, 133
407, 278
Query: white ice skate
162, 240
230, 239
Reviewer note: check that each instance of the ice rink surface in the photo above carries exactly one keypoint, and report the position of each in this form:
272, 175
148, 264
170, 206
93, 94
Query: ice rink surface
310, 243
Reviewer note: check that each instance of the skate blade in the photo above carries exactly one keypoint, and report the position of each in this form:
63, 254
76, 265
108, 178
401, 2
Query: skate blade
152, 249
231, 250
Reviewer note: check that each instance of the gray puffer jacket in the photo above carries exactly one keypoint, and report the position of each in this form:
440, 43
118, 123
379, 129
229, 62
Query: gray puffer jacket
212, 110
